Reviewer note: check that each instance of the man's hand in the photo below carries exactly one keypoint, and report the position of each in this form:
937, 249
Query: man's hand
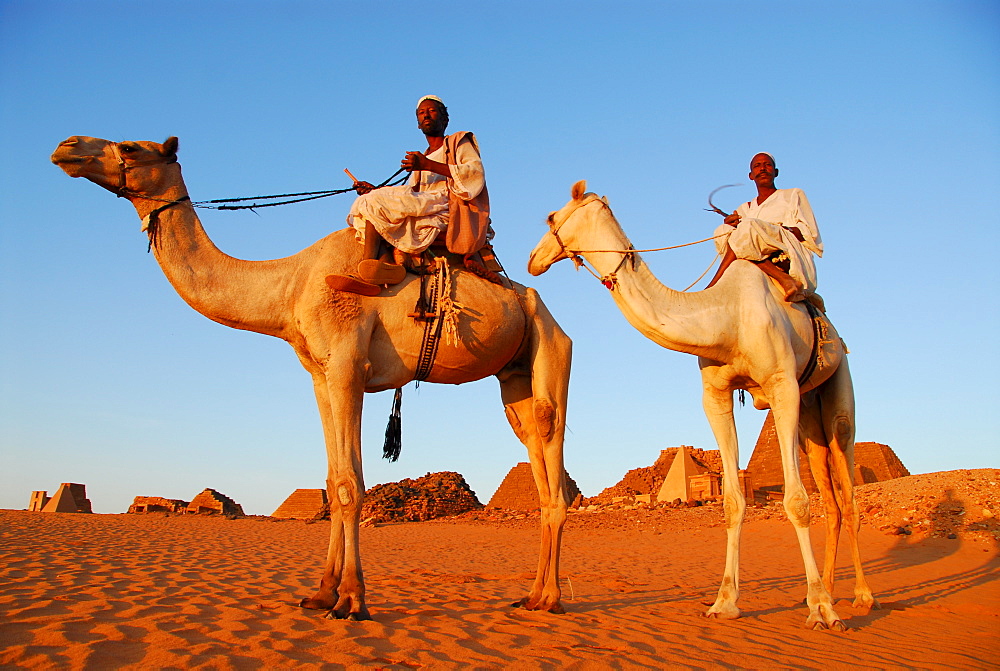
733, 219
413, 160
363, 187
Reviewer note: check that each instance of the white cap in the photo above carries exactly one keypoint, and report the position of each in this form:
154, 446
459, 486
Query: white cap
434, 98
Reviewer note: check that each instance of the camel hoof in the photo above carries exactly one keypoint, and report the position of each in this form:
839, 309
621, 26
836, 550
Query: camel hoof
819, 625
731, 613
869, 602
314, 604
360, 616
838, 625
525, 603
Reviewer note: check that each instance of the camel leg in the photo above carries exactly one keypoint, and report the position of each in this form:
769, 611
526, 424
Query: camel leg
813, 439
326, 596
718, 406
784, 397
536, 409
340, 398
837, 404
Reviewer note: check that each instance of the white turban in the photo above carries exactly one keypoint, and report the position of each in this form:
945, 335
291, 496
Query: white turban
435, 99
769, 155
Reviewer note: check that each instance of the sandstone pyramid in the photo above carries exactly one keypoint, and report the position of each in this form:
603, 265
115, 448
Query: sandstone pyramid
69, 498
518, 491
648, 480
765, 462
302, 504
873, 462
211, 502
677, 484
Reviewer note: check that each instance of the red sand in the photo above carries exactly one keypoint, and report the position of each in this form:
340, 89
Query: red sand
151, 591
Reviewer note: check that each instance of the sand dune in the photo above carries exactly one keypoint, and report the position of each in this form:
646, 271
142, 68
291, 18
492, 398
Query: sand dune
153, 591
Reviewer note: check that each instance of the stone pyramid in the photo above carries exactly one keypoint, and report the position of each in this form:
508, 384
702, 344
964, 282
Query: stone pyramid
676, 485
210, 502
518, 491
873, 462
765, 462
70, 498
302, 504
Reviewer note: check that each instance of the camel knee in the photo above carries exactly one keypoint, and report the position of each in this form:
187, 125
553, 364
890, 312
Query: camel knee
345, 493
545, 418
797, 507
733, 509
843, 430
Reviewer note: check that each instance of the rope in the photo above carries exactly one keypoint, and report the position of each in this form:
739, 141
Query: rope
611, 280
656, 249
307, 195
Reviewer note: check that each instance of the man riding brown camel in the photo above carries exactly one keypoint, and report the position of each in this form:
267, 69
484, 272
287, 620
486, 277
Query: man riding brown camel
776, 231
446, 195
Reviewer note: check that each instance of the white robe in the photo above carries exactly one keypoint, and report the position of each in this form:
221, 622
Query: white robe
763, 230
410, 220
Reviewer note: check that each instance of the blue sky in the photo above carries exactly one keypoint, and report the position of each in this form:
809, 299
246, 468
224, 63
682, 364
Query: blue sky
885, 113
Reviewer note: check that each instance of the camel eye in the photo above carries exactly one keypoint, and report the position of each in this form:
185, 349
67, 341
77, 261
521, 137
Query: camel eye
127, 148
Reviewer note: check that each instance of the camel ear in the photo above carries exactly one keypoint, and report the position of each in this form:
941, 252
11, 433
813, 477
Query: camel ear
170, 146
579, 189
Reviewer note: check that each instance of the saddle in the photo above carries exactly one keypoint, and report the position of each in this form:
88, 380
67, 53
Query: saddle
483, 263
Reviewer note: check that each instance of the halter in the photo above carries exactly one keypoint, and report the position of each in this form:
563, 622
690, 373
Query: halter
150, 221
123, 191
611, 280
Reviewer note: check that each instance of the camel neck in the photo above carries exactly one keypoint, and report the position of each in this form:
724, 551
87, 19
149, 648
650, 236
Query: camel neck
673, 319
248, 295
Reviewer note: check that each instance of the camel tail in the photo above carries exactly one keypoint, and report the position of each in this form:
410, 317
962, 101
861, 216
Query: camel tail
394, 430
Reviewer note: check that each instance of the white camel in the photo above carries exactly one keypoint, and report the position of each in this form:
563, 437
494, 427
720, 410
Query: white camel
745, 337
354, 344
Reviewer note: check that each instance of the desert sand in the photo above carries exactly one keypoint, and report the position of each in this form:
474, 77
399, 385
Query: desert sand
157, 591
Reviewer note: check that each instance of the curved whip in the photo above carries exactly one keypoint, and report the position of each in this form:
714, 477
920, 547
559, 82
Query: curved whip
711, 206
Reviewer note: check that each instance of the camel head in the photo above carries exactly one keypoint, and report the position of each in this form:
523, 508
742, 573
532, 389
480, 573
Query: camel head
577, 227
128, 169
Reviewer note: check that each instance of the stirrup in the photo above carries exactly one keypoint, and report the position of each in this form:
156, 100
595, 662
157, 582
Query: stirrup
380, 272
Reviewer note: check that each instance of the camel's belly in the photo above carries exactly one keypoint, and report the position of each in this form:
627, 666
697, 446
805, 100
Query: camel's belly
482, 337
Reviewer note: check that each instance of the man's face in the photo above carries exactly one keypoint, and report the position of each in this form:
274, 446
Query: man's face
762, 169
431, 119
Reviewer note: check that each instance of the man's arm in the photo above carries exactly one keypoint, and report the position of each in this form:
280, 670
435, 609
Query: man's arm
414, 160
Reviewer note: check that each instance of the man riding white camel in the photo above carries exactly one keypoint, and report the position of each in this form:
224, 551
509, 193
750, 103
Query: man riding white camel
446, 194
776, 231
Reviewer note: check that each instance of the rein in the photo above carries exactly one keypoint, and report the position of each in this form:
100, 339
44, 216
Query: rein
122, 191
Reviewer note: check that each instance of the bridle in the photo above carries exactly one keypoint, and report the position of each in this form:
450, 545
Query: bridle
150, 221
122, 191
610, 281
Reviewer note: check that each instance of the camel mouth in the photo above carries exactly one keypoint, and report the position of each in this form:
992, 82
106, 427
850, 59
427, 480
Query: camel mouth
537, 266
67, 160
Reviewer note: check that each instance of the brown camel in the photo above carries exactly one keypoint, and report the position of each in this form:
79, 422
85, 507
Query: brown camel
353, 344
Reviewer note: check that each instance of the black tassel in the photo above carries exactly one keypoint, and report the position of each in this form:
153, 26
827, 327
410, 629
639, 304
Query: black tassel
743, 398
394, 430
